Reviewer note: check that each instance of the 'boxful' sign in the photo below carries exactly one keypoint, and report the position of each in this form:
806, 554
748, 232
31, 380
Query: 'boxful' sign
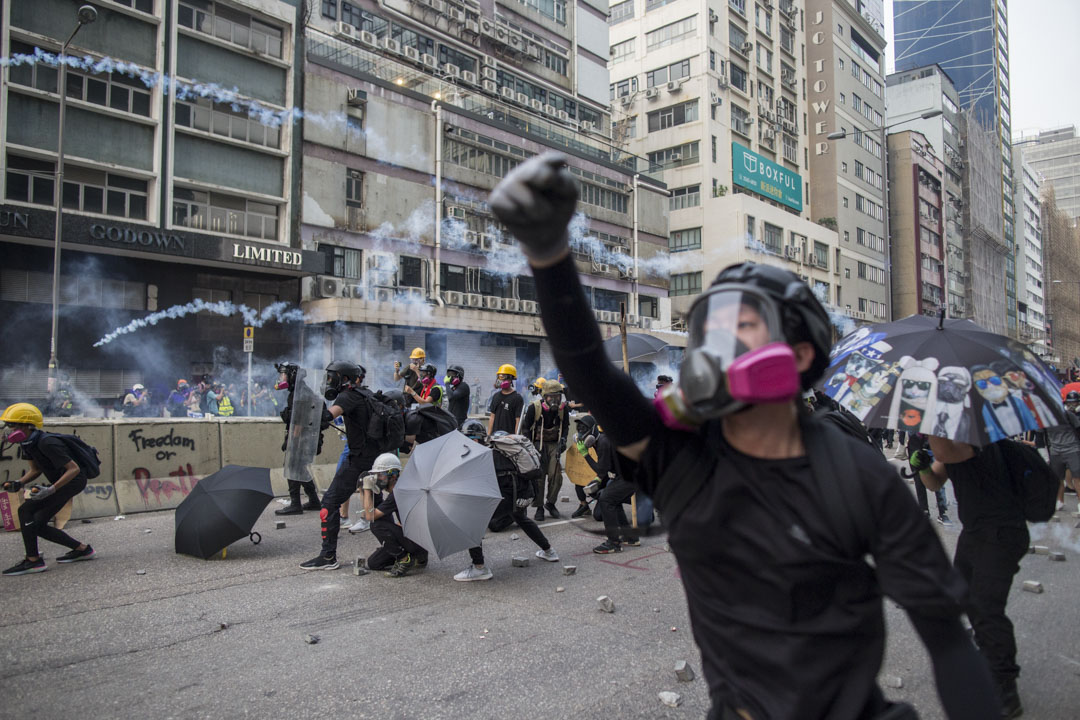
764, 177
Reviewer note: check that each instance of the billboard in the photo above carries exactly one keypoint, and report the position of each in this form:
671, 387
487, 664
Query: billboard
764, 177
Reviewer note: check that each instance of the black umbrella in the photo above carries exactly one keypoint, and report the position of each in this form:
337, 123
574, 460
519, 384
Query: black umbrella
639, 346
949, 378
221, 509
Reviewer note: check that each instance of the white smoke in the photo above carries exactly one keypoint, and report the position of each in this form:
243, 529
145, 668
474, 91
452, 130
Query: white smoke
1056, 535
278, 312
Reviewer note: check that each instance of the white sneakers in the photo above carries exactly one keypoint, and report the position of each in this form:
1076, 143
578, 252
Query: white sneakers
474, 573
360, 526
550, 555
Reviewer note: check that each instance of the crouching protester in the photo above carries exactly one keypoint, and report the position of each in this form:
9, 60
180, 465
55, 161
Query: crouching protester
786, 610
396, 553
516, 490
48, 455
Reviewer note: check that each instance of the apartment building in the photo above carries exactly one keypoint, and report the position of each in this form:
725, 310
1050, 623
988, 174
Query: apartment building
845, 85
713, 95
166, 198
1031, 290
1055, 155
415, 111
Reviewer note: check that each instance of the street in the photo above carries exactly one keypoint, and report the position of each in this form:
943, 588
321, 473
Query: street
143, 632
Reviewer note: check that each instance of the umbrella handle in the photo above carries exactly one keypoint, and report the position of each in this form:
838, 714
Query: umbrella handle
255, 538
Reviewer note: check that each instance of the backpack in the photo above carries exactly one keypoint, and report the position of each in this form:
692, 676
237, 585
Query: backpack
520, 450
1035, 484
386, 423
85, 456
434, 422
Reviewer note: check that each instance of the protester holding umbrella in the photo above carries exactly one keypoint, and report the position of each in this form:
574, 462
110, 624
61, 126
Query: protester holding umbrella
775, 588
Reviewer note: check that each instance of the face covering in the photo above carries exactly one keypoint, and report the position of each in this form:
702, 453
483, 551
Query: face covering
17, 436
505, 385
283, 385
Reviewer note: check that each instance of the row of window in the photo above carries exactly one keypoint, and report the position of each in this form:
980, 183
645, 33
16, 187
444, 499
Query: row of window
868, 112
217, 212
685, 197
231, 25
688, 239
868, 206
93, 191
670, 33
870, 273
686, 154
85, 290
673, 115
221, 119
870, 240
866, 79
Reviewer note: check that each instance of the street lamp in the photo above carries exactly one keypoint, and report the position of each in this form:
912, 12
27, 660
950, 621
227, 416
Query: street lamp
86, 15
840, 135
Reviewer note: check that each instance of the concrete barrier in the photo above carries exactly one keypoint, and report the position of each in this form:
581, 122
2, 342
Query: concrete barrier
153, 463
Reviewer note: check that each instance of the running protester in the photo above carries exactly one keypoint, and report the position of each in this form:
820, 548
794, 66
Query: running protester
48, 456
775, 589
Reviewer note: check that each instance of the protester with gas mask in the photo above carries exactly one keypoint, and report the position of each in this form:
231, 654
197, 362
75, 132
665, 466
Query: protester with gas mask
137, 402
579, 462
411, 374
776, 588
431, 393
506, 404
49, 456
662, 381
546, 424
396, 554
345, 391
457, 393
176, 403
291, 378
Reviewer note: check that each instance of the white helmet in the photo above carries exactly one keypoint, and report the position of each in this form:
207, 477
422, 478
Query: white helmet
386, 462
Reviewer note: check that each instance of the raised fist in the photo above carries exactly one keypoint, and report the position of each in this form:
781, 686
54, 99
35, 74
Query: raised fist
536, 201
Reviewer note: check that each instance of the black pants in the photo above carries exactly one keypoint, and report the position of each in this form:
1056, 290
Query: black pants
341, 489
988, 558
527, 525
308, 487
611, 502
34, 516
392, 544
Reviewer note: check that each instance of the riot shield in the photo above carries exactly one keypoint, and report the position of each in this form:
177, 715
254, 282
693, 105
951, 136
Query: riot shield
304, 424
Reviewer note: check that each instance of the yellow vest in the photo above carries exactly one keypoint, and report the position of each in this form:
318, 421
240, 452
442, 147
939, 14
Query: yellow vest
225, 408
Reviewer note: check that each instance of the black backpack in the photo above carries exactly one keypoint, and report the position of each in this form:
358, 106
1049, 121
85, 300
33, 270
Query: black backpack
85, 456
1035, 484
434, 422
386, 423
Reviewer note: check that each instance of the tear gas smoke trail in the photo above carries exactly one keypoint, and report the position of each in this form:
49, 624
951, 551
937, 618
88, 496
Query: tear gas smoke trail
1059, 535
278, 312
843, 324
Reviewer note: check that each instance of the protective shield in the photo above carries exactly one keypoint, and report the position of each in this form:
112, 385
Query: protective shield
304, 424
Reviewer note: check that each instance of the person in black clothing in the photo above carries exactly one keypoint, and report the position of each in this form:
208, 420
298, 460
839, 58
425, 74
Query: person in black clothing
774, 589
916, 443
457, 393
989, 549
344, 383
411, 374
615, 491
48, 456
292, 379
506, 404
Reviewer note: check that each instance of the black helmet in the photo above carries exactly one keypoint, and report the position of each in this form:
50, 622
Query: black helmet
288, 369
802, 315
1073, 397
587, 427
428, 370
343, 375
457, 370
394, 397
473, 429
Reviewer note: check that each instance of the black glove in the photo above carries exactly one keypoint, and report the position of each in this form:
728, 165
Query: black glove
285, 444
326, 421
562, 446
920, 460
319, 450
536, 201
285, 414
12, 486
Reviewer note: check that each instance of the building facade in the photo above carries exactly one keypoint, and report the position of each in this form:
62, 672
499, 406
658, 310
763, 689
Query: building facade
1030, 272
167, 198
414, 112
1055, 156
916, 218
713, 95
845, 85
1061, 248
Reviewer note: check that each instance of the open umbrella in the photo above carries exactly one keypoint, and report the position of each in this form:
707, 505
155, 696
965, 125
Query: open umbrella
447, 494
639, 347
221, 509
949, 378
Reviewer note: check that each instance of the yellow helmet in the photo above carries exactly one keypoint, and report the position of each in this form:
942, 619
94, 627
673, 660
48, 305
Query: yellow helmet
539, 384
507, 370
417, 354
23, 414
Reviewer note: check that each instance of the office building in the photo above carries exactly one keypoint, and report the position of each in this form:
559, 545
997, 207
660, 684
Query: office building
845, 85
1055, 156
1061, 248
1030, 271
415, 111
167, 198
713, 95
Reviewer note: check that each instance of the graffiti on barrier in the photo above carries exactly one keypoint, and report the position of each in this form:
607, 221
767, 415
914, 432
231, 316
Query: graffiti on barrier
179, 482
99, 492
171, 440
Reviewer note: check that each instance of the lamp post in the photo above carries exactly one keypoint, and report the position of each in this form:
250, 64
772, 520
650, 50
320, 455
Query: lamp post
86, 15
840, 135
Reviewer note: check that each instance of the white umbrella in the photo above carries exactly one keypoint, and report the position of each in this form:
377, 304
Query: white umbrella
447, 494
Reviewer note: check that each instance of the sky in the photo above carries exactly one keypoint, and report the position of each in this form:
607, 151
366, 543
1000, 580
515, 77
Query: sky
1044, 59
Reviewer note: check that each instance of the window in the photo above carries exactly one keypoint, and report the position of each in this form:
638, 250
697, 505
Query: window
217, 212
86, 290
685, 284
689, 239
821, 255
620, 12
712, 59
329, 9
740, 121
675, 156
346, 261
453, 277
669, 34
736, 38
787, 41
738, 6
232, 26
764, 58
95, 191
877, 309
354, 188
845, 201
221, 119
146, 6
869, 240
554, 9
410, 271
685, 197
660, 76
30, 181
868, 206
624, 88
763, 19
648, 306
751, 228
870, 273
651, 5
791, 149
114, 90
738, 78
714, 149
622, 51
773, 238
673, 115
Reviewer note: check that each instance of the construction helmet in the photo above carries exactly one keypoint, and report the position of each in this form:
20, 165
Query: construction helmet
507, 370
23, 414
417, 354
385, 463
553, 387
538, 386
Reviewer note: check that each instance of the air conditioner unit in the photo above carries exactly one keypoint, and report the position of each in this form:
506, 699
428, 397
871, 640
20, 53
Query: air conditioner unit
452, 297
587, 126
452, 70
412, 53
455, 211
516, 41
632, 320
652, 93
749, 121
522, 99
473, 300
344, 29
674, 86
438, 6
647, 323
327, 286
511, 304
675, 157
715, 99
529, 306
492, 303
468, 76
534, 52
417, 293
391, 45
550, 110
600, 267
627, 100
508, 93
713, 17
487, 242
489, 72
722, 82
790, 252
609, 316
502, 34
562, 115
788, 77
429, 61
354, 291
368, 38
456, 15
471, 237
355, 97
472, 26
384, 295
747, 47
491, 87
536, 105
791, 21
487, 27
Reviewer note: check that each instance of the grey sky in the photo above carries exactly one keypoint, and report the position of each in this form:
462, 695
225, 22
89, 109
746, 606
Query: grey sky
1044, 61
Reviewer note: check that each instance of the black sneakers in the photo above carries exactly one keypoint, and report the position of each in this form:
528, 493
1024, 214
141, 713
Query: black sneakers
607, 547
582, 511
539, 516
552, 511
27, 567
76, 555
401, 567
321, 563
631, 542
291, 509
313, 504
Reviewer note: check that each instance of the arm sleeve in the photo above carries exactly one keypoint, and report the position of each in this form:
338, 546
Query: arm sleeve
625, 414
962, 677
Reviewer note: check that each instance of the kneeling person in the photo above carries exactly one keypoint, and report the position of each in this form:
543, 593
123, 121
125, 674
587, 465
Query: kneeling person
396, 553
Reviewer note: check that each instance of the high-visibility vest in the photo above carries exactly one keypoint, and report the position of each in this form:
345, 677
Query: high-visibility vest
426, 393
225, 408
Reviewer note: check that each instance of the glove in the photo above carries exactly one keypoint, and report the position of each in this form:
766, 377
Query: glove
44, 492
284, 444
523, 502
12, 486
581, 448
536, 201
562, 446
920, 460
593, 488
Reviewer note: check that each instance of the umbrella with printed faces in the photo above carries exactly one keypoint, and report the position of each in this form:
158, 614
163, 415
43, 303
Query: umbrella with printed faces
447, 494
944, 377
221, 509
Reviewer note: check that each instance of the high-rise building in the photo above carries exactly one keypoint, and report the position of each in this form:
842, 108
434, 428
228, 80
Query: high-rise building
166, 198
714, 96
925, 91
969, 40
414, 111
1061, 248
1031, 287
1055, 156
917, 203
846, 91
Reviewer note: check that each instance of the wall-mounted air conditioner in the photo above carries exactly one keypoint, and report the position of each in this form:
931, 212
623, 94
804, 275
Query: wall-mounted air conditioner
451, 70
746, 48
471, 237
490, 87
522, 99
468, 77
384, 295
455, 211
354, 291
511, 305
715, 99
529, 306
491, 302
536, 105
722, 82
487, 27
452, 297
587, 126
391, 45
472, 26
327, 286
474, 300
674, 86
562, 115
355, 97
600, 267
632, 320
429, 61
369, 38
344, 29
713, 17
411, 53
489, 72
652, 93
550, 110
647, 323
455, 14
508, 93
417, 293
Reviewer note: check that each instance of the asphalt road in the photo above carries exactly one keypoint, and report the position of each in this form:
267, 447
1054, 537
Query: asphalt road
225, 638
